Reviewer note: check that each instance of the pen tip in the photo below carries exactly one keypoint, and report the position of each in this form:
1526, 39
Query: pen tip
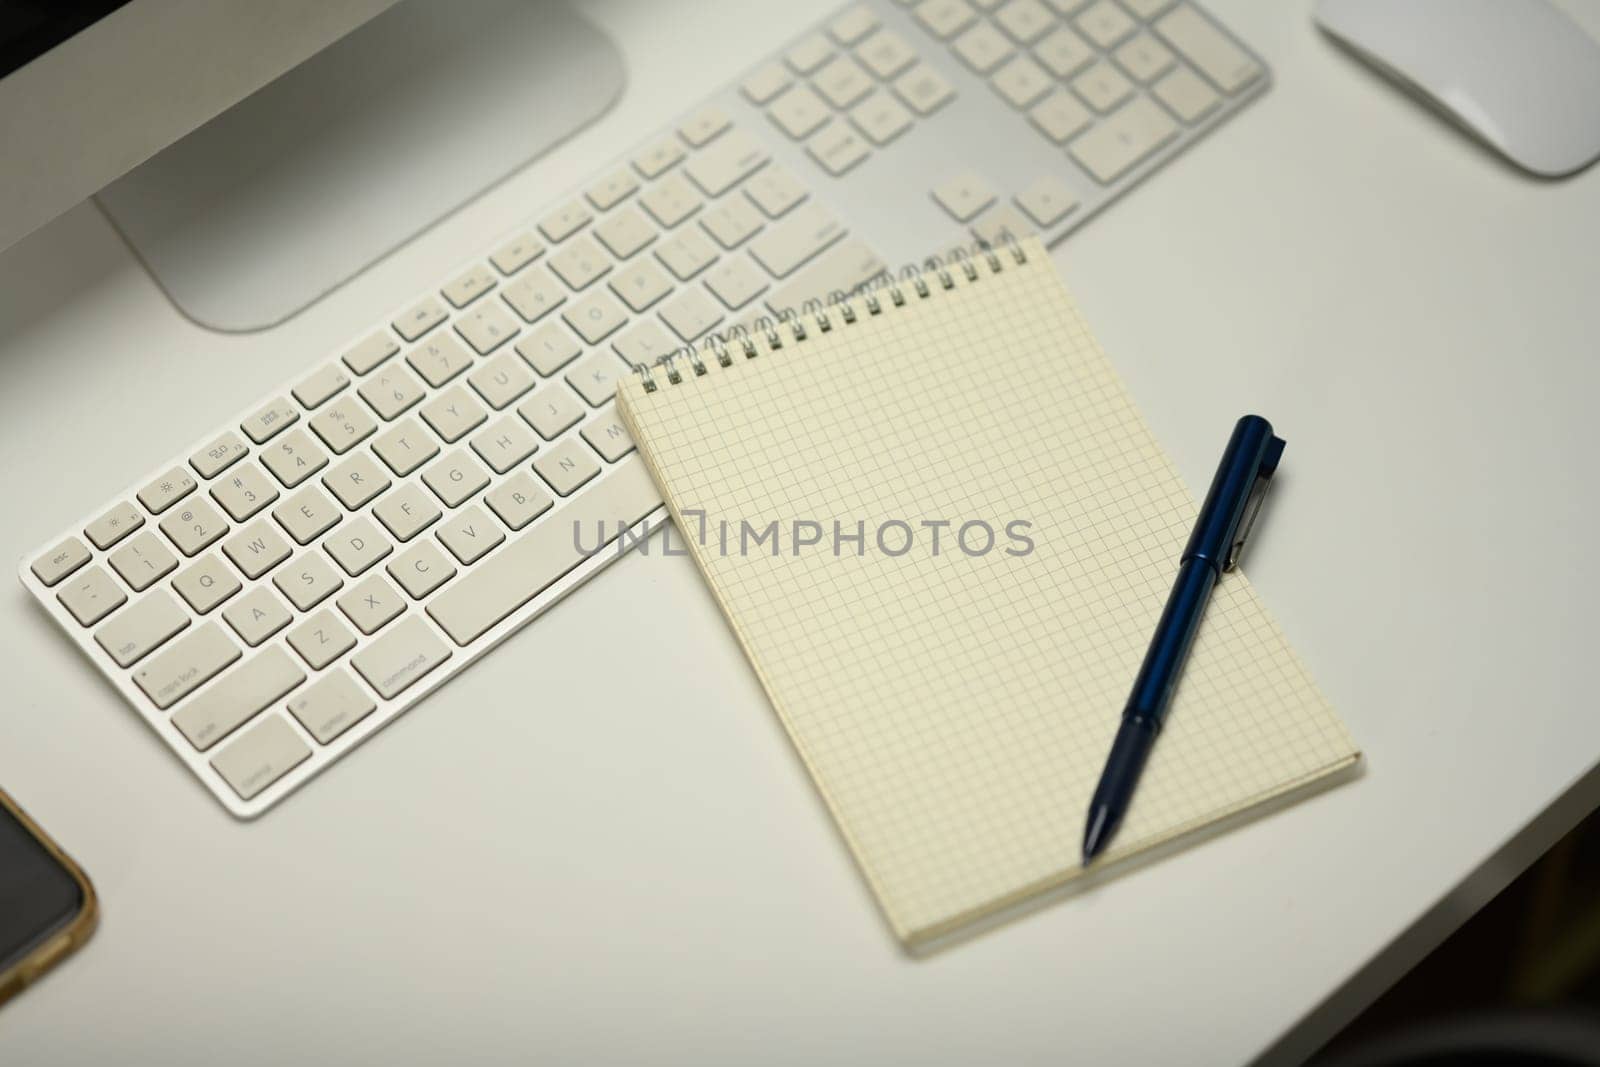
1095, 833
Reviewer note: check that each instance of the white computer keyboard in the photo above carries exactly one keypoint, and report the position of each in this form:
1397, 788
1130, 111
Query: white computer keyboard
317, 564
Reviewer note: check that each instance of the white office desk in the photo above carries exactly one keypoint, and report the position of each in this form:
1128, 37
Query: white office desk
597, 845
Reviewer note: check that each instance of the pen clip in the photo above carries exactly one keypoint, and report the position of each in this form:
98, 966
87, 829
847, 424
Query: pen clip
1252, 506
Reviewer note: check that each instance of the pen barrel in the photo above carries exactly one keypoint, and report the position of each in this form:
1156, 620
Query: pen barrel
1169, 648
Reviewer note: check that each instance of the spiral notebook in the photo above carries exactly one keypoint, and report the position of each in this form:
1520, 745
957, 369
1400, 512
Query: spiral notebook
943, 534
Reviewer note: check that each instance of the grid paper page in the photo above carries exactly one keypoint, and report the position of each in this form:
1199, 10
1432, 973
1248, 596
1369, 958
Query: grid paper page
955, 708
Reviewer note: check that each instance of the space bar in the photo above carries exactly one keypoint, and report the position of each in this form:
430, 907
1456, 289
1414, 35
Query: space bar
530, 565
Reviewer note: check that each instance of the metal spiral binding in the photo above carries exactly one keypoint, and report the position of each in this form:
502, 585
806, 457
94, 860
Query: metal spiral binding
791, 326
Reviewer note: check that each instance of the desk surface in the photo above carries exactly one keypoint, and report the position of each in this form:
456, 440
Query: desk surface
608, 865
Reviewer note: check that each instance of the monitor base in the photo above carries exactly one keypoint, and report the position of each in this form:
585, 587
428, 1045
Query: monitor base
302, 185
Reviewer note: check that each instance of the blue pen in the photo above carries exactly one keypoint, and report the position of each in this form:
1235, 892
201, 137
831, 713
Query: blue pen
1224, 522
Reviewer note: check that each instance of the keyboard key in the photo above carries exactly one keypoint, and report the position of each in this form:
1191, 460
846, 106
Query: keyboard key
842, 269
613, 189
703, 126
392, 392
185, 665
728, 162
853, 25
923, 89
120, 520
786, 245
567, 466
1064, 52
736, 281
810, 53
671, 200
504, 443
479, 599
257, 616
551, 411
548, 349
659, 158
421, 569
486, 328
608, 437
798, 111
843, 82
453, 414
343, 426
944, 18
644, 342
886, 53
276, 416
881, 117
150, 622
1047, 201
396, 661
370, 353
625, 232
1123, 139
1105, 23
690, 314
307, 515
767, 82
469, 285
596, 316
1145, 58
372, 605
307, 582
1186, 94
1021, 81
142, 562
837, 147
406, 447
237, 698
358, 547
166, 490
640, 284
1208, 48
321, 385
1002, 225
501, 380
525, 247
206, 583
686, 253
518, 501
535, 294
964, 196
1102, 87
293, 458
244, 492
581, 263
1025, 20
421, 317
256, 549
194, 526
263, 754
455, 477
331, 705
565, 221
70, 554
774, 191
219, 455
356, 481
322, 639
595, 377
1060, 116
982, 48
91, 595
470, 534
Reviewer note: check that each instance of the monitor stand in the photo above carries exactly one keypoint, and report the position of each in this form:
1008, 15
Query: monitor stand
300, 186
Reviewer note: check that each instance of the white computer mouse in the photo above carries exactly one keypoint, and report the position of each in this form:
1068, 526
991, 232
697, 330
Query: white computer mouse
1519, 74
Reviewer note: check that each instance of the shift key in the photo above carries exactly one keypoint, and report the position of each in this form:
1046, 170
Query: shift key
186, 665
807, 231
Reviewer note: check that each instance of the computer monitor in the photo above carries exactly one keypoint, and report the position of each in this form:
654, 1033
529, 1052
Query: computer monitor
255, 155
